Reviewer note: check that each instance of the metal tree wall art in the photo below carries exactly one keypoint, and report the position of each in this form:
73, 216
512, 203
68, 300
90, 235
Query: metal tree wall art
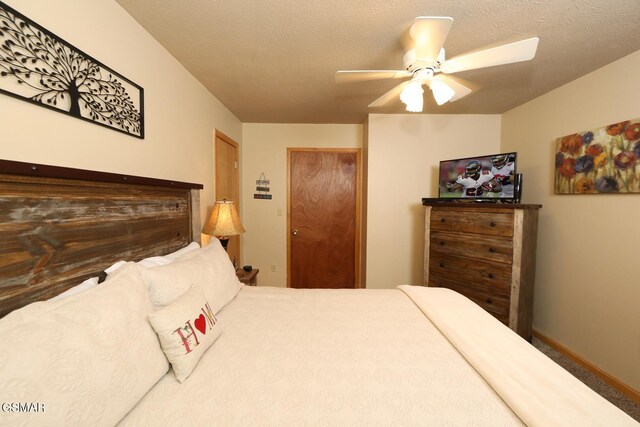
39, 67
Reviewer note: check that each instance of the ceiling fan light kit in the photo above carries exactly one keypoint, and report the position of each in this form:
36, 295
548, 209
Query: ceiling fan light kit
413, 96
425, 63
441, 92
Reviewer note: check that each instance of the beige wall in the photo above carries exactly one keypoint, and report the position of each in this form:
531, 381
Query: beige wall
264, 149
404, 152
587, 293
180, 114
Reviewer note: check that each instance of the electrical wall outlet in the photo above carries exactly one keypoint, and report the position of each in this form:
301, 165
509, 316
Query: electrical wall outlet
273, 268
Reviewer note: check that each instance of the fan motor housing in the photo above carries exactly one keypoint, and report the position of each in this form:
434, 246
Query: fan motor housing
410, 62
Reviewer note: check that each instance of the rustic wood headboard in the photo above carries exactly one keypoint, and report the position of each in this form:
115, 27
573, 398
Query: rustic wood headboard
60, 226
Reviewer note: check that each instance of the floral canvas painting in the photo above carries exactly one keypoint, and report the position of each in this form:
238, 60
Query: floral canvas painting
604, 160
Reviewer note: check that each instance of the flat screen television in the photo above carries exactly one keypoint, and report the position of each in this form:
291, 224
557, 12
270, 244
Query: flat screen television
489, 177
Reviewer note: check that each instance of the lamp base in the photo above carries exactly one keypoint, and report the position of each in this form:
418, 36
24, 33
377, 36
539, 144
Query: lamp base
224, 241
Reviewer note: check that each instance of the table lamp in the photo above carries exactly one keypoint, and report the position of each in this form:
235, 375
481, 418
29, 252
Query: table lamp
224, 222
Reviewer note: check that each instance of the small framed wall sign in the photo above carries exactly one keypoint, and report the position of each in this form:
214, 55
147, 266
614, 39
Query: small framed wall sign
41, 68
262, 188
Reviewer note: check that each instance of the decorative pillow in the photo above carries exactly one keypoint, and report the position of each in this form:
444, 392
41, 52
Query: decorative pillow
210, 270
88, 358
187, 327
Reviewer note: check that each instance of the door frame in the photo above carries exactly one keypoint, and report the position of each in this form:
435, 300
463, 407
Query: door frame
357, 243
218, 175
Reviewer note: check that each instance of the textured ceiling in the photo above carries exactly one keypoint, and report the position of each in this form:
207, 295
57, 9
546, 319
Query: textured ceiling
274, 61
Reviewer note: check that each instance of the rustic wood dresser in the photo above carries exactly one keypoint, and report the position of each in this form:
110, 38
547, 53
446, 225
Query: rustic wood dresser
487, 252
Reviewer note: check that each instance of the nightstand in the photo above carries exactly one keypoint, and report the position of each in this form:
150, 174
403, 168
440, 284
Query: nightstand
248, 277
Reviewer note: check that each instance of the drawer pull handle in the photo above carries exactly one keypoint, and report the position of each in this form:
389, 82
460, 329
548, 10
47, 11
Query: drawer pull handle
490, 276
441, 242
442, 264
492, 250
442, 220
489, 301
493, 224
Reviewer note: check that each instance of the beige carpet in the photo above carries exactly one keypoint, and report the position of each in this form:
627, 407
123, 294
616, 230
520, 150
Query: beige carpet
605, 390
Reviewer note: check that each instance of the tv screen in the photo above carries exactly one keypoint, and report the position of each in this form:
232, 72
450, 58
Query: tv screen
488, 177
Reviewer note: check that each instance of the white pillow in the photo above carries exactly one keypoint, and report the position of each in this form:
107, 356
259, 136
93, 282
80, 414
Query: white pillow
187, 327
193, 246
210, 270
89, 357
147, 262
169, 258
87, 284
118, 265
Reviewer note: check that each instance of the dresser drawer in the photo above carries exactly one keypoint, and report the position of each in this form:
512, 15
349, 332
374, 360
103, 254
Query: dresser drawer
469, 270
472, 221
493, 249
495, 302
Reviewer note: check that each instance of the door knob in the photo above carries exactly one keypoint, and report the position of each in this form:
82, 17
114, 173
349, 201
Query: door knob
294, 231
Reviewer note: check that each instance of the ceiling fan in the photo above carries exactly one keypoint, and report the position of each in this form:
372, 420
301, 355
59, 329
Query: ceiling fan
426, 64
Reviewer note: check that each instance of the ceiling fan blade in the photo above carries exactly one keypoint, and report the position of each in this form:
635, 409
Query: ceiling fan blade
429, 34
522, 50
371, 74
392, 94
459, 89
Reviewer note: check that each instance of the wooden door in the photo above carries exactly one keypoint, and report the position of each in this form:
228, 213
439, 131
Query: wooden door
228, 181
323, 218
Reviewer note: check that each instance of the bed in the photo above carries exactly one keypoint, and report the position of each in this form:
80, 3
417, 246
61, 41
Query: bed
110, 353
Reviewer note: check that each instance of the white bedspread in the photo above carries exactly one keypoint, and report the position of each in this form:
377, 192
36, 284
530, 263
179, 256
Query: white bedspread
291, 357
537, 389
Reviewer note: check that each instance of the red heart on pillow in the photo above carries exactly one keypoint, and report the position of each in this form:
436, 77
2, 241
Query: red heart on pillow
201, 324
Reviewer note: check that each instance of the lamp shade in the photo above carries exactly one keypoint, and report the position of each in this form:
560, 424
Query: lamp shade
224, 220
